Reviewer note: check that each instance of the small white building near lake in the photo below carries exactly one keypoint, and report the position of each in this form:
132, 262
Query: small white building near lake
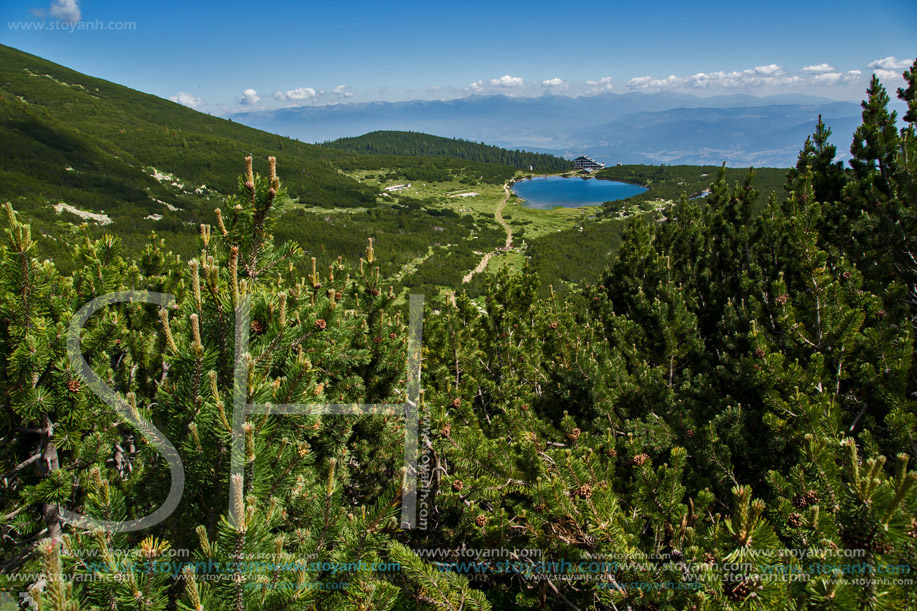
587, 163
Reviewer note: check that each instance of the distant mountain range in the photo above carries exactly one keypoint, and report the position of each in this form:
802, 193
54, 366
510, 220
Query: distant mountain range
671, 128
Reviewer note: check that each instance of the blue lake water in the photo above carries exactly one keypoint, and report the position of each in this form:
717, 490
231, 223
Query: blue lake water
548, 192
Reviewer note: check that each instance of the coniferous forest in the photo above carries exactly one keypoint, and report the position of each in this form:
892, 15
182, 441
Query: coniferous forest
725, 419
425, 145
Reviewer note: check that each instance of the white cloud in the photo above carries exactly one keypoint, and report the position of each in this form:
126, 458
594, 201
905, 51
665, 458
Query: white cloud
887, 75
602, 85
818, 68
66, 10
769, 75
836, 78
249, 97
341, 91
769, 69
648, 82
186, 99
298, 95
890, 63
507, 81
555, 85
504, 82
762, 79
772, 74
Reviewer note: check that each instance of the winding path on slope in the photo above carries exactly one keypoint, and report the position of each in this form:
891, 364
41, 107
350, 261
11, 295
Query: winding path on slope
498, 214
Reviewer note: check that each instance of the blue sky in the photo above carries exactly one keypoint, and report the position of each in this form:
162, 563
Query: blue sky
221, 57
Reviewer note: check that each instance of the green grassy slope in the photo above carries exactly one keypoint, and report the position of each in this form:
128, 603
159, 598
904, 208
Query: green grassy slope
89, 121
92, 144
149, 164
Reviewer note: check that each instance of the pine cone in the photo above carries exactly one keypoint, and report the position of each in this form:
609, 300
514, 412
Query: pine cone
737, 591
881, 313
811, 497
481, 520
73, 386
320, 324
639, 459
584, 491
393, 335
447, 429
573, 435
782, 299
759, 353
525, 407
540, 508
554, 324
846, 275
794, 520
457, 485
338, 296
912, 532
799, 502
611, 452
376, 340
709, 558
456, 402
690, 433
257, 327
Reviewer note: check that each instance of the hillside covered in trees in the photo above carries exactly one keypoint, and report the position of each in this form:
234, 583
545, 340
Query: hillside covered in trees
673, 181
424, 145
726, 421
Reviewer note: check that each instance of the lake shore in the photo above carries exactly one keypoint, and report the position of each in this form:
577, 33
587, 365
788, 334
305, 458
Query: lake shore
546, 192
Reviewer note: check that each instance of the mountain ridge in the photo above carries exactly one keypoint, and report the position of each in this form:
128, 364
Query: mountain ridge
562, 125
